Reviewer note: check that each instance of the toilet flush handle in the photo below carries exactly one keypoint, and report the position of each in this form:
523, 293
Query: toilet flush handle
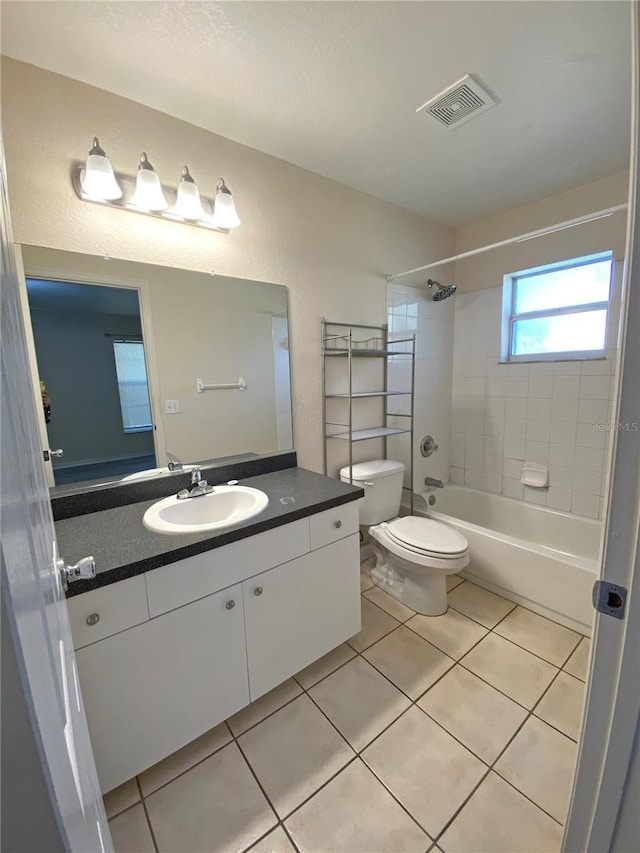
367, 483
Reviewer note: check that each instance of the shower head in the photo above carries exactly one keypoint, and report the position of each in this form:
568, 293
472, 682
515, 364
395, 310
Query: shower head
442, 292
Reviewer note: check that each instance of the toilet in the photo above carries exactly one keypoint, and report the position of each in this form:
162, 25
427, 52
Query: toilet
414, 555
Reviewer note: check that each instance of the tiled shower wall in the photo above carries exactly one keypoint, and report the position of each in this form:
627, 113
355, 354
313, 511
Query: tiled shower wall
411, 310
549, 412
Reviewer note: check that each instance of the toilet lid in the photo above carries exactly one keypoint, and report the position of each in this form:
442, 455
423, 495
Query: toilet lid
425, 534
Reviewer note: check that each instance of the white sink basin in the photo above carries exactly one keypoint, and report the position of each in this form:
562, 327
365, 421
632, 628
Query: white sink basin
224, 507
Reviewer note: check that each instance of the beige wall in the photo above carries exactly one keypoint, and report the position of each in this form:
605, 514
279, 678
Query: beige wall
487, 270
332, 246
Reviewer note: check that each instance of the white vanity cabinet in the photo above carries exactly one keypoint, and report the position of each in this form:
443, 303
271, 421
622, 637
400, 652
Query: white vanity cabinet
149, 690
220, 629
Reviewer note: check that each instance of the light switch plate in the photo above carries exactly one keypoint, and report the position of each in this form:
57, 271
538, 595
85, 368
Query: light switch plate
172, 407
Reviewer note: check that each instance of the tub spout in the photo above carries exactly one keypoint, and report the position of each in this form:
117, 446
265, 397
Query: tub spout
433, 483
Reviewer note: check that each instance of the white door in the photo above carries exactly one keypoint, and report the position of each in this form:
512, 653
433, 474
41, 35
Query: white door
612, 711
31, 587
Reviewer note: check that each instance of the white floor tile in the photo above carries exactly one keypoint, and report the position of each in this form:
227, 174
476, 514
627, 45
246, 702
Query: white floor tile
497, 819
389, 604
540, 762
512, 670
216, 806
262, 707
541, 636
425, 768
325, 665
167, 769
121, 798
294, 752
452, 632
477, 715
130, 832
355, 814
479, 604
561, 705
275, 842
375, 624
410, 662
359, 701
579, 660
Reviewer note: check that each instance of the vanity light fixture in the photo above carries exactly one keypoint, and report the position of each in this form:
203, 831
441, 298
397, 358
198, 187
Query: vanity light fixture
96, 182
188, 204
148, 194
97, 178
224, 209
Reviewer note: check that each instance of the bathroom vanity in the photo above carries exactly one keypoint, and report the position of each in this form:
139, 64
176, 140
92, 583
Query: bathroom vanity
177, 633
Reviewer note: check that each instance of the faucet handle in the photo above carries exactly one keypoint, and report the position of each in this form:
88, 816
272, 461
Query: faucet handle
196, 475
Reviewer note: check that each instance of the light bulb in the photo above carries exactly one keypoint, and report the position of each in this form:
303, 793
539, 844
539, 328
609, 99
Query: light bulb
188, 204
97, 179
224, 209
148, 194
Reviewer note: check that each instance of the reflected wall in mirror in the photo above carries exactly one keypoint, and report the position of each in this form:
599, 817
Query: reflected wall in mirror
119, 346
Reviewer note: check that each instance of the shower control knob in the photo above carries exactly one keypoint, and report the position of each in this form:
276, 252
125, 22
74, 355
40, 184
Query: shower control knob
337, 524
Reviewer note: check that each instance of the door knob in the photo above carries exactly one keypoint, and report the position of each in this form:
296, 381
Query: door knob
230, 604
49, 453
337, 524
82, 570
258, 590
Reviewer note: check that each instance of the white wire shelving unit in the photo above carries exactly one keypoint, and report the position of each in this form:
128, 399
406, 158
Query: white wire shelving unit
351, 342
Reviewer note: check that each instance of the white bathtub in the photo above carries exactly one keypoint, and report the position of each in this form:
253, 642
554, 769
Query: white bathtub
541, 558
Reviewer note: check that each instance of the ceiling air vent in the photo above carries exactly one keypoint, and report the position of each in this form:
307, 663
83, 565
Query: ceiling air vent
459, 103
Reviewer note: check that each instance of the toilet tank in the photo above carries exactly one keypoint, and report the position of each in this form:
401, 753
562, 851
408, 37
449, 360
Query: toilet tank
381, 480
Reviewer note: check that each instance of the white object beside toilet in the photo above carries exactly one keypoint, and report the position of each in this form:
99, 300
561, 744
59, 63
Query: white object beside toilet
414, 555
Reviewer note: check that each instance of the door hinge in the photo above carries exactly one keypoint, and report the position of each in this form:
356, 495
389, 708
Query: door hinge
609, 598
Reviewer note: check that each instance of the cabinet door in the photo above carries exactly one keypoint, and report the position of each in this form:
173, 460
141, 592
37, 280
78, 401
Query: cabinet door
297, 612
153, 688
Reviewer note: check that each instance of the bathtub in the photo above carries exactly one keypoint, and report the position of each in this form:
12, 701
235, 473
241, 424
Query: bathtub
541, 558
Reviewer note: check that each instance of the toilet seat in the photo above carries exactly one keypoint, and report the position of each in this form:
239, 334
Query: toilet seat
427, 537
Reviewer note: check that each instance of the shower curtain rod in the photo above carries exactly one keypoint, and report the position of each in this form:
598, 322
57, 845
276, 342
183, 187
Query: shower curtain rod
520, 238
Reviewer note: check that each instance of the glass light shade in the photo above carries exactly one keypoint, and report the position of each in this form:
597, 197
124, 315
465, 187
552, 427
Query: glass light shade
148, 194
224, 209
98, 179
188, 204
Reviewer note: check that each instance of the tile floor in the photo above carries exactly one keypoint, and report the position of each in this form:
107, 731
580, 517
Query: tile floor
455, 733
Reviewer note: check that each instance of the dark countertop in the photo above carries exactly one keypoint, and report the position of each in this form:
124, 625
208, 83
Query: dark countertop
123, 547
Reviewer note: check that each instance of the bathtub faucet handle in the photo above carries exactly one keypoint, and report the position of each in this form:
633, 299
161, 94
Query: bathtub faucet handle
433, 483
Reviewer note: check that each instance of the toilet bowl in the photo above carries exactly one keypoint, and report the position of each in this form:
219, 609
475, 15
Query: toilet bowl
414, 555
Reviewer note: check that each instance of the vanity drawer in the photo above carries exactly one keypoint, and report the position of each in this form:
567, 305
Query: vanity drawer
117, 607
333, 524
179, 583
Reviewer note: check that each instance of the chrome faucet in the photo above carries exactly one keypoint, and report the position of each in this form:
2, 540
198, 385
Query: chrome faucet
433, 483
198, 488
174, 464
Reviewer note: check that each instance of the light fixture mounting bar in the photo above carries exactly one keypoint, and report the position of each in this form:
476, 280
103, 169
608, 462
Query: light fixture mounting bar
128, 185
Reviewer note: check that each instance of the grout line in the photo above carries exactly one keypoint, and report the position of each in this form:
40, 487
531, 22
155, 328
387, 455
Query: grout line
146, 814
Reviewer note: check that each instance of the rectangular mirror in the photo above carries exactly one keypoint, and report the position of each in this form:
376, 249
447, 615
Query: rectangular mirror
129, 359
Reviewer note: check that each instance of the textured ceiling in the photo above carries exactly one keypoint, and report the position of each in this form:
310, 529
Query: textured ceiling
333, 86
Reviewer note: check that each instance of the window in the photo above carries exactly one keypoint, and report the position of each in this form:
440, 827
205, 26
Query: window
133, 386
557, 311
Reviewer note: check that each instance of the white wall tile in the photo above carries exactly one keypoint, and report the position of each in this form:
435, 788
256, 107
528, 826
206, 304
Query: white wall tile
515, 407
512, 468
561, 454
494, 426
473, 479
566, 387
473, 443
587, 436
473, 461
561, 476
493, 445
563, 432
566, 368
535, 496
590, 458
564, 410
514, 448
495, 407
516, 386
537, 451
539, 407
559, 499
512, 488
588, 505
492, 482
538, 430
475, 386
456, 475
496, 386
589, 482
515, 427
540, 386
594, 411
594, 388
596, 367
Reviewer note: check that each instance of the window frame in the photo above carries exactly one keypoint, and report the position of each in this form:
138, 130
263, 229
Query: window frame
510, 316
126, 339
